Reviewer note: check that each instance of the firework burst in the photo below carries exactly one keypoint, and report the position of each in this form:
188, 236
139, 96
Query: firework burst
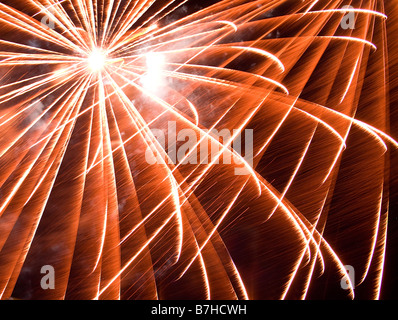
85, 84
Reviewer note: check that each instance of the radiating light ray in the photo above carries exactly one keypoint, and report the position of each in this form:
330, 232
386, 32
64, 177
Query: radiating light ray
311, 6
31, 125
144, 246
264, 146
345, 10
211, 234
16, 114
353, 39
298, 223
366, 127
350, 81
317, 253
30, 87
379, 280
18, 184
293, 176
229, 23
76, 118
260, 52
67, 28
375, 235
224, 147
325, 125
174, 195
25, 26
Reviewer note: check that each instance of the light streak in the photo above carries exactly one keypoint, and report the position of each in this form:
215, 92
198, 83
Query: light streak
81, 95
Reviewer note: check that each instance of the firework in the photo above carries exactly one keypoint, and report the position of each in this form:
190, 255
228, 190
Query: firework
85, 86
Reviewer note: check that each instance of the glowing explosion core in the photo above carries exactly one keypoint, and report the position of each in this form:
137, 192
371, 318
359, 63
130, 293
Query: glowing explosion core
97, 60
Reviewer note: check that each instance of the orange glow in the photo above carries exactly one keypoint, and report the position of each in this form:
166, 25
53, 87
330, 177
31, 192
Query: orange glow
78, 194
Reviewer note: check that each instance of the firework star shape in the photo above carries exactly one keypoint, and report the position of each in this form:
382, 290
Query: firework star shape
83, 85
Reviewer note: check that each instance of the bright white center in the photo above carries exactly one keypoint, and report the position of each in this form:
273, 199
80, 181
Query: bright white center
155, 63
96, 61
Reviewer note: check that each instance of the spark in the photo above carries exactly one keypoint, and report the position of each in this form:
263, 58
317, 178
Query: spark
80, 97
